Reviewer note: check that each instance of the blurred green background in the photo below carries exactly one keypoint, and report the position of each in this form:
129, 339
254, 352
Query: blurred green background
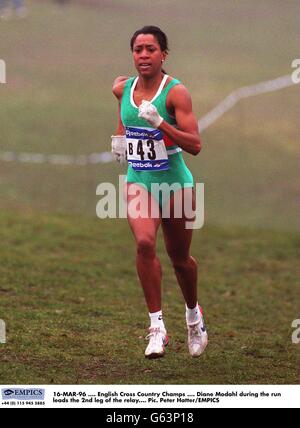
61, 62
68, 295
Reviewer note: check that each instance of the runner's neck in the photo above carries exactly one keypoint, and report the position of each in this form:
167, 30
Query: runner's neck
145, 85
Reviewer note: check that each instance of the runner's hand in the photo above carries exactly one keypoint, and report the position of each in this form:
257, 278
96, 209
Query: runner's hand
118, 148
149, 112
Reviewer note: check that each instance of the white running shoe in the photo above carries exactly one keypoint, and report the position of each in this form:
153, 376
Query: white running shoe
158, 340
197, 337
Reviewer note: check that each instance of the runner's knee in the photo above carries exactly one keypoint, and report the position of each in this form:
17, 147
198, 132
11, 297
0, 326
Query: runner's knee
182, 262
146, 247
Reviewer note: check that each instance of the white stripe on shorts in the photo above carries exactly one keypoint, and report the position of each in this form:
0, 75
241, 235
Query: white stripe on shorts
174, 151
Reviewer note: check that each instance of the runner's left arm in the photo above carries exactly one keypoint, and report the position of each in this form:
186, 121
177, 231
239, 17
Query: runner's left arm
187, 136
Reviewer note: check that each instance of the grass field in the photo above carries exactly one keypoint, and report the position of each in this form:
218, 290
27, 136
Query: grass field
70, 300
73, 312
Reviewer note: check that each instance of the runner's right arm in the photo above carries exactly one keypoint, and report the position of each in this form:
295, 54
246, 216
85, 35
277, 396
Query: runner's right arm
119, 140
118, 88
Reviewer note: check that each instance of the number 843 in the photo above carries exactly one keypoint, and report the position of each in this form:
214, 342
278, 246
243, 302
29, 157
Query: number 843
151, 155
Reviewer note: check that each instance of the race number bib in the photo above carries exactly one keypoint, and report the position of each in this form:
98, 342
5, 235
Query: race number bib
146, 150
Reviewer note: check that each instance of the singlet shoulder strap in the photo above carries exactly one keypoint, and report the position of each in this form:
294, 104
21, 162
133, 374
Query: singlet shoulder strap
170, 85
160, 89
127, 89
129, 82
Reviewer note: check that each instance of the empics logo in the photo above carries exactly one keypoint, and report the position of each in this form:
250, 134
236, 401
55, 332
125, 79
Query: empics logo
23, 394
8, 392
2, 71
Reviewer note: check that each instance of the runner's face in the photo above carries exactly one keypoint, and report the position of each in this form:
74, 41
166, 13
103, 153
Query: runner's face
147, 55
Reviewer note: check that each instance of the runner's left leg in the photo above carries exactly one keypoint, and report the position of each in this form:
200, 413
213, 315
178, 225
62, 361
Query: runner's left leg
178, 242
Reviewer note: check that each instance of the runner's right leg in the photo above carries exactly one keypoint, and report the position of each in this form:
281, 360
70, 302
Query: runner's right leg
149, 270
147, 263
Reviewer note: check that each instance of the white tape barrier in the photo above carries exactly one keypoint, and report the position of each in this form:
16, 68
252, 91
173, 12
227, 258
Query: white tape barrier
209, 119
246, 92
38, 158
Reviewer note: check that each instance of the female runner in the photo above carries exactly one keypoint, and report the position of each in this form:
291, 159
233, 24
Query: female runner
155, 124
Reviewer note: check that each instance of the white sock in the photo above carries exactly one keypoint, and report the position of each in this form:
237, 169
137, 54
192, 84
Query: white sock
193, 316
156, 319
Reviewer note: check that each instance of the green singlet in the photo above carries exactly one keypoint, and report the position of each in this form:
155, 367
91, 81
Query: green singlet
154, 161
